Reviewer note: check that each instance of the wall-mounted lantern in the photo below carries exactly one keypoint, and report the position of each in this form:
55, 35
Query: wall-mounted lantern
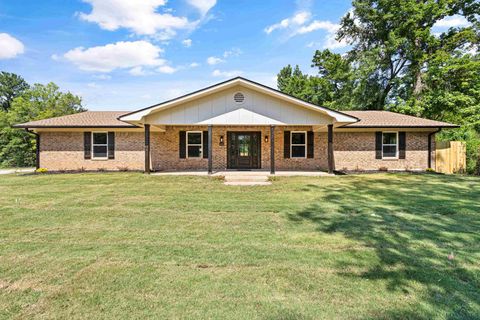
266, 139
221, 141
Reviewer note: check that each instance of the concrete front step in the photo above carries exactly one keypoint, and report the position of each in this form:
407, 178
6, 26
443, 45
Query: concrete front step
248, 183
229, 178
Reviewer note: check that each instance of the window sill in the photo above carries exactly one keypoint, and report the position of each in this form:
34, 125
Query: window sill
390, 159
100, 159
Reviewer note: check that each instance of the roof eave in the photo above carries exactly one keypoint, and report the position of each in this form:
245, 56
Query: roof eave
349, 126
22, 126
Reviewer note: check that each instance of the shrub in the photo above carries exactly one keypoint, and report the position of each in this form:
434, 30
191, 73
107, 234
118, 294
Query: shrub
41, 170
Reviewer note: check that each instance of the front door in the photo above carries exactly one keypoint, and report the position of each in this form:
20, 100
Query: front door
243, 150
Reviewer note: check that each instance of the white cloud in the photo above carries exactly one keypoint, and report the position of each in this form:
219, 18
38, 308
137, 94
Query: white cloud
93, 85
118, 55
234, 52
226, 74
187, 43
139, 16
203, 5
452, 22
330, 41
194, 65
10, 46
137, 71
102, 77
318, 25
214, 60
296, 20
166, 69
299, 24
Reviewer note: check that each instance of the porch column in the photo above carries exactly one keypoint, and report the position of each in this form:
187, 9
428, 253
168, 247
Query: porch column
331, 160
147, 148
272, 149
210, 149
37, 159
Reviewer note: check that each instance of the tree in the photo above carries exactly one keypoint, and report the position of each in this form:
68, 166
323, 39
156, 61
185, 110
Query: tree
328, 89
397, 63
11, 86
17, 147
392, 41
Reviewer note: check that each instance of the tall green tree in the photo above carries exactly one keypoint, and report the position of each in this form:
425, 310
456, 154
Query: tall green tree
11, 86
17, 147
392, 43
396, 62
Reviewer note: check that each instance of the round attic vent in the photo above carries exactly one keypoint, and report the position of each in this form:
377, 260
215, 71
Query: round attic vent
239, 97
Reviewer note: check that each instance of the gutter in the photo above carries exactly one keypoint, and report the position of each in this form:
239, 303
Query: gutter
430, 146
37, 142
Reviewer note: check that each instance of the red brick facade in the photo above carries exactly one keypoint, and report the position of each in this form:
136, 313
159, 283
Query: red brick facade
353, 151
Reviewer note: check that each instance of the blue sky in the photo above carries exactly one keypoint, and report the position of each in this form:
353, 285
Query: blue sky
125, 54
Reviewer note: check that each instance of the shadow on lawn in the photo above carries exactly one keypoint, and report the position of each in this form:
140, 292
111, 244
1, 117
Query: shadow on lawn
413, 223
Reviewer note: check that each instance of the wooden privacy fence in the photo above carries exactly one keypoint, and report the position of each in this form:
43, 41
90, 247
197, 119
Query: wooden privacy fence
450, 157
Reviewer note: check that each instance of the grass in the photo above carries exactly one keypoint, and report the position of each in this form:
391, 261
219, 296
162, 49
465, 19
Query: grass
130, 246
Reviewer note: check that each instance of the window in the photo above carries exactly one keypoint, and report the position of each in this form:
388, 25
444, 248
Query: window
390, 145
298, 144
99, 145
194, 144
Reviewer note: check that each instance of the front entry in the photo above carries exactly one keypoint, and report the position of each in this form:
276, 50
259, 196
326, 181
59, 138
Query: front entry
243, 150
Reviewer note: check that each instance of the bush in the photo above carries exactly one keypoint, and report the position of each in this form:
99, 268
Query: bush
41, 170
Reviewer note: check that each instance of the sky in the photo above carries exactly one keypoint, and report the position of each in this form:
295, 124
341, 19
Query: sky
129, 54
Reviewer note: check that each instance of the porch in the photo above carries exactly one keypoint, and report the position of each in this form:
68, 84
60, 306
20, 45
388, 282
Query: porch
213, 149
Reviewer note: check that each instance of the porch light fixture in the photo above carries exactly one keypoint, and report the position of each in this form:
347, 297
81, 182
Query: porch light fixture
266, 138
221, 140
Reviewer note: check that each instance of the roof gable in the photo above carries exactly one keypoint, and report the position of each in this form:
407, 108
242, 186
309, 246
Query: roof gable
139, 116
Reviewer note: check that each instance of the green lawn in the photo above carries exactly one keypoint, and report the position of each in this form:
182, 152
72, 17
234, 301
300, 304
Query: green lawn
130, 246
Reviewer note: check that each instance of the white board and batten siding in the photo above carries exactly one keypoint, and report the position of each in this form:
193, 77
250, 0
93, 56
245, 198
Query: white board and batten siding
220, 108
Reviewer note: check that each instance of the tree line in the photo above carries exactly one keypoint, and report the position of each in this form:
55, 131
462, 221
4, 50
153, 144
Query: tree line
396, 62
21, 102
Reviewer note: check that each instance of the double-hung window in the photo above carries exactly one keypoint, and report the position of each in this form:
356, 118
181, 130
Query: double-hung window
194, 144
390, 145
298, 144
99, 145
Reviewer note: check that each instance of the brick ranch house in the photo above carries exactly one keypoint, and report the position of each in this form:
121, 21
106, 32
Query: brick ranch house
236, 124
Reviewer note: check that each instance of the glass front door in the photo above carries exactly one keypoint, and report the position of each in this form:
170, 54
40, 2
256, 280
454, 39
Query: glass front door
243, 150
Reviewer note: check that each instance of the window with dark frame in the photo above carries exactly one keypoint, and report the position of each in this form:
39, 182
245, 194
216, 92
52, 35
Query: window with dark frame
389, 145
99, 145
298, 144
194, 144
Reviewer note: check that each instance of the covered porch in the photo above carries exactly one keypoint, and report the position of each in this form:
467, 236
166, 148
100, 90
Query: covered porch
238, 124
224, 148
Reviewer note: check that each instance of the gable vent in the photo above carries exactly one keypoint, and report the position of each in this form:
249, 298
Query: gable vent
239, 97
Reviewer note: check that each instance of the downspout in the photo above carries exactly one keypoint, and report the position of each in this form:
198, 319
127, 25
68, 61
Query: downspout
430, 147
37, 151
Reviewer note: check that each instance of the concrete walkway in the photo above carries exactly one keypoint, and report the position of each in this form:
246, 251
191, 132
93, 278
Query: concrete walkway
246, 178
19, 170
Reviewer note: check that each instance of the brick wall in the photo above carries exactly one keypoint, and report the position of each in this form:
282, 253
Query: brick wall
356, 151
353, 151
64, 151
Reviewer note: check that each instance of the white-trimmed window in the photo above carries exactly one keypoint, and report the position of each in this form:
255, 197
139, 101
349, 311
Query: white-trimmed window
390, 145
194, 144
99, 145
298, 144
